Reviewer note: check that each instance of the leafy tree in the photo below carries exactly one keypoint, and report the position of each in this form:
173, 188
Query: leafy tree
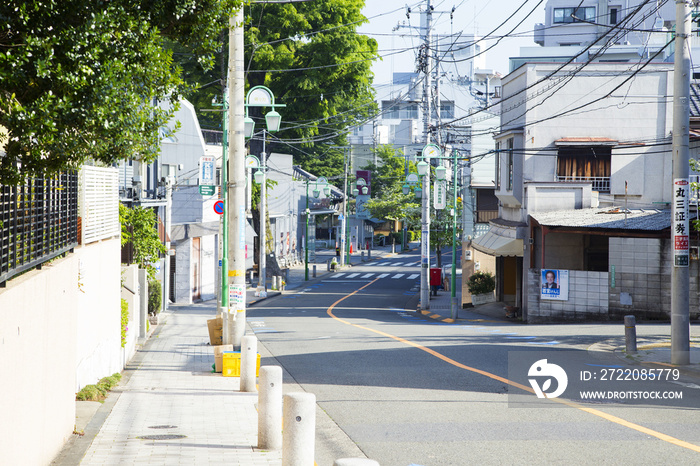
139, 227
79, 78
328, 85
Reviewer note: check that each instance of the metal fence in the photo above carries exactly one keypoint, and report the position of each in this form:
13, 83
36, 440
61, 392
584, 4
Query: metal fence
38, 221
598, 183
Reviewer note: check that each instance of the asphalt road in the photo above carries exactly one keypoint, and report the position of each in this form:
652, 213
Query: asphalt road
411, 391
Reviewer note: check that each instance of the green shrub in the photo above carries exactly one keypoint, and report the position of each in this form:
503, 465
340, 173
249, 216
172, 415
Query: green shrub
99, 391
155, 296
125, 320
481, 282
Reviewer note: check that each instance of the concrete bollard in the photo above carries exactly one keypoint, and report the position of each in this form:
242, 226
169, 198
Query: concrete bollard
314, 271
249, 362
298, 437
270, 408
274, 283
355, 462
630, 334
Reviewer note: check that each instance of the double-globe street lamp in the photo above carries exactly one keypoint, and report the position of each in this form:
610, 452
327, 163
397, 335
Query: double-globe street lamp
261, 96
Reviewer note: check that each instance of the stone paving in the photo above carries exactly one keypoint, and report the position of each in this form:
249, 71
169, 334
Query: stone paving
172, 392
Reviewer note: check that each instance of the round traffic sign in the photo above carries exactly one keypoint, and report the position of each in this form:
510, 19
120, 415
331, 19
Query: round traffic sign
219, 207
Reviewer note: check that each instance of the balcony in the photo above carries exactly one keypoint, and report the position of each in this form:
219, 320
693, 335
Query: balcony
598, 183
483, 216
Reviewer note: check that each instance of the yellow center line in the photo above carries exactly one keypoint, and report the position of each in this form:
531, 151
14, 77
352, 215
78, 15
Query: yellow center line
595, 412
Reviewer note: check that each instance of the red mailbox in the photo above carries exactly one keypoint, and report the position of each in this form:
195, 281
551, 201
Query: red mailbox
435, 277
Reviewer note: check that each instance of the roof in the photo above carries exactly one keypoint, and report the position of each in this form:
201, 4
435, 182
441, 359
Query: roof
613, 218
585, 141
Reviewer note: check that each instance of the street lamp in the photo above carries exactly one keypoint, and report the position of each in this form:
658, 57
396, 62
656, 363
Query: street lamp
317, 193
428, 152
261, 96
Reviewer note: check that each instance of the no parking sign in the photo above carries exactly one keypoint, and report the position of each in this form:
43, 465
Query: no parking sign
219, 207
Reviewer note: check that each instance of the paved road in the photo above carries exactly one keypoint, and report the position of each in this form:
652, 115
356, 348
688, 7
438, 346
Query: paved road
408, 390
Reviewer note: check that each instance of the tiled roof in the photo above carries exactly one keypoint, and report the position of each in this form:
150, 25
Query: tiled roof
608, 218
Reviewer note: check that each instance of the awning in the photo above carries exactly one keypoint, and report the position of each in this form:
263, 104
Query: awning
494, 244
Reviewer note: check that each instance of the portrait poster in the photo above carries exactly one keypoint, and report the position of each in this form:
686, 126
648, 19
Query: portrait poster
554, 284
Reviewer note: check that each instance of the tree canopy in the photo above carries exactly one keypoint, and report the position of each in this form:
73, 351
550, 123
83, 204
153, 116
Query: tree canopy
312, 58
79, 78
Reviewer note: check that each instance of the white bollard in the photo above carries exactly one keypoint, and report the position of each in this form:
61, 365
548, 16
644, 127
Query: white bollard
249, 360
270, 408
299, 432
355, 462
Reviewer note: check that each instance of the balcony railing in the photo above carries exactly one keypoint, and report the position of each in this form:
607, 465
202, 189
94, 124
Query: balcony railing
483, 216
598, 183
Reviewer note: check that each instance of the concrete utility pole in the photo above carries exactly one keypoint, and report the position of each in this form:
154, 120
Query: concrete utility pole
425, 203
236, 188
680, 277
262, 272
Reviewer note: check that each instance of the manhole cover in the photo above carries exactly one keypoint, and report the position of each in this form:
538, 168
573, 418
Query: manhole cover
162, 427
161, 437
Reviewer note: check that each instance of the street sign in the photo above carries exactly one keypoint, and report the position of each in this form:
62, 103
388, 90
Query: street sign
206, 190
219, 207
207, 171
440, 194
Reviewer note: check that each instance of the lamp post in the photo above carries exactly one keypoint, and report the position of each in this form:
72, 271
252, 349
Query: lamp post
453, 281
261, 96
317, 193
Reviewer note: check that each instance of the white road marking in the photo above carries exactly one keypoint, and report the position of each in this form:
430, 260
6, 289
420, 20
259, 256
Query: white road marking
413, 276
384, 275
398, 275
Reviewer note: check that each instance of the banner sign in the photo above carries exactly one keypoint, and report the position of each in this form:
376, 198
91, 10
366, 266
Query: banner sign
679, 223
440, 194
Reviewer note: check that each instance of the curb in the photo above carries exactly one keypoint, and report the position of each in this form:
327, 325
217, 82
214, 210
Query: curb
613, 346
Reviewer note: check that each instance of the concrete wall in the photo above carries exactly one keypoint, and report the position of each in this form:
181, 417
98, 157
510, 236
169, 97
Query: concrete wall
588, 298
99, 312
38, 322
130, 277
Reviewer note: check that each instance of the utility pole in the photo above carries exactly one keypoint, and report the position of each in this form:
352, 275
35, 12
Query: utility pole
425, 202
680, 277
262, 242
236, 187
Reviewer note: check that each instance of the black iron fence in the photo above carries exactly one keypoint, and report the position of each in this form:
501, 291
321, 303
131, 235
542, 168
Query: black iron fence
38, 221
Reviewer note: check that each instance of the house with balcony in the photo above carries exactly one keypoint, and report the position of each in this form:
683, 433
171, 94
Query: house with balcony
584, 186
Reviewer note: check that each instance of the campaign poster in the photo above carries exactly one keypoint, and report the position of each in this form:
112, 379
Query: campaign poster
554, 284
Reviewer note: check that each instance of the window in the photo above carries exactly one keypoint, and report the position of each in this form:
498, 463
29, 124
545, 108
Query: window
400, 111
498, 166
613, 15
447, 110
574, 15
510, 164
585, 164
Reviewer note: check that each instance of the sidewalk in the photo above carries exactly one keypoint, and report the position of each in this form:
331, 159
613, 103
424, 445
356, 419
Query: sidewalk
170, 408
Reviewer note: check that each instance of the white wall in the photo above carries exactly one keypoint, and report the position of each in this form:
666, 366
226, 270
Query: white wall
99, 313
38, 321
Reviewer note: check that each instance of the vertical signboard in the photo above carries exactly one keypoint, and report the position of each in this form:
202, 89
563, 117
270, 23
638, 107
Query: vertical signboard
207, 175
236, 296
679, 223
440, 194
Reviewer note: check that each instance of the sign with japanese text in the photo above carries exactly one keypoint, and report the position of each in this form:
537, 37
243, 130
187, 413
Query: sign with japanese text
207, 171
679, 222
554, 284
236, 296
440, 194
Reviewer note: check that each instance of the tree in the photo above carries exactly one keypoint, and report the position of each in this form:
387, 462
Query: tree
388, 177
314, 61
139, 228
79, 78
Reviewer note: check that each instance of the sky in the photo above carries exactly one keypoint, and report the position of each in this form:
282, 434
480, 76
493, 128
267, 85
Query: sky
470, 16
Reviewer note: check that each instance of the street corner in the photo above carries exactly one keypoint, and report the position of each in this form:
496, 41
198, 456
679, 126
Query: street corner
651, 352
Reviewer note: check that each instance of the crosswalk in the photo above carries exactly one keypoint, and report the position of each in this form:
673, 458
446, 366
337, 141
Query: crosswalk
372, 276
392, 264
